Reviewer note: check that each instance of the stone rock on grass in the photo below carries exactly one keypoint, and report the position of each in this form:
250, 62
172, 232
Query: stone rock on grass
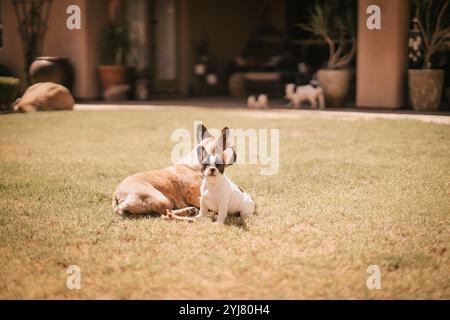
45, 96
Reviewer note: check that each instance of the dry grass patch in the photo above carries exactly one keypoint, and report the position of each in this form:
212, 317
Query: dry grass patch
348, 195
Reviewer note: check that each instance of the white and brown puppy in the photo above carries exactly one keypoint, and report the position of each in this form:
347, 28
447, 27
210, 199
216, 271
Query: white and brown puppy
309, 93
218, 193
173, 192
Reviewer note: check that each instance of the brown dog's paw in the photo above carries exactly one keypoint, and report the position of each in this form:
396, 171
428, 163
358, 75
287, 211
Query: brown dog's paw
168, 215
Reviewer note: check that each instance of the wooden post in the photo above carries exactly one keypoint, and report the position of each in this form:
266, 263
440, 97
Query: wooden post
382, 55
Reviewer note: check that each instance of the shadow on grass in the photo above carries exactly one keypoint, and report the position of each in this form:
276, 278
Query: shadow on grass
133, 216
233, 221
237, 222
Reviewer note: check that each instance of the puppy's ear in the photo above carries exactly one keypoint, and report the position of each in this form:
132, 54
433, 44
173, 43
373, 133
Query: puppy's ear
202, 133
201, 153
229, 157
225, 139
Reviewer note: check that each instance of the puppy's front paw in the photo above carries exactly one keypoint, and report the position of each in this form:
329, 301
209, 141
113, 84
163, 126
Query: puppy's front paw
193, 212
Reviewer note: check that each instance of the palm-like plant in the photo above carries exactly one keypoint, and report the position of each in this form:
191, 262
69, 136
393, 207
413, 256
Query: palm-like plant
433, 33
336, 26
116, 44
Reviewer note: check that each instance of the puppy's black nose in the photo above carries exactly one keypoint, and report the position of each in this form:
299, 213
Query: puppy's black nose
213, 169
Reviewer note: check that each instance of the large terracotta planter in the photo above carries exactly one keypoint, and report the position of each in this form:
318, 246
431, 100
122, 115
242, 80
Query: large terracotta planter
113, 75
336, 86
115, 81
52, 69
425, 88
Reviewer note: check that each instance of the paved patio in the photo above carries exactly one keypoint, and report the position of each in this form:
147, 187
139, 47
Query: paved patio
277, 109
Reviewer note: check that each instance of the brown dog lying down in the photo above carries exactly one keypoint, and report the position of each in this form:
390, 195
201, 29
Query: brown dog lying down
173, 192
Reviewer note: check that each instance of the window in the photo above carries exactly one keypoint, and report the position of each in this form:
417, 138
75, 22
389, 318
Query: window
166, 38
1, 25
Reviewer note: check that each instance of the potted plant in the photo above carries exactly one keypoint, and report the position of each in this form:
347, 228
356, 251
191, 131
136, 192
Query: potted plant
114, 73
52, 69
432, 28
334, 23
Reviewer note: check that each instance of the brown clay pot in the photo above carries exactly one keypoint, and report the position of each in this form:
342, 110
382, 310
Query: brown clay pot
115, 82
52, 69
113, 75
335, 85
425, 88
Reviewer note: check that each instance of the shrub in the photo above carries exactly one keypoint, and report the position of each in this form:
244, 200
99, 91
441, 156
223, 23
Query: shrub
335, 24
432, 20
9, 89
116, 44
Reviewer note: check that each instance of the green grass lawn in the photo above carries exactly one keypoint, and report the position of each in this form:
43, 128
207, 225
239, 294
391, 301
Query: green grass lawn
349, 194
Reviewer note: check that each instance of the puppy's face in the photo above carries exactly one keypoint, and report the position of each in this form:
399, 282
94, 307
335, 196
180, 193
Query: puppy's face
213, 165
